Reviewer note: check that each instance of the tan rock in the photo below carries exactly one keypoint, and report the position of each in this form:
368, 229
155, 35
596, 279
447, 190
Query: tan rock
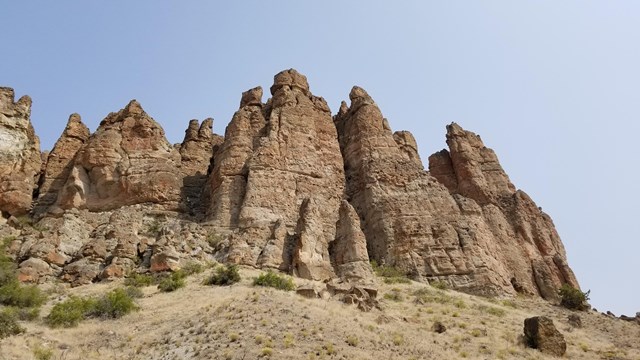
126, 161
274, 156
459, 228
33, 270
59, 162
20, 160
196, 152
541, 334
348, 251
311, 253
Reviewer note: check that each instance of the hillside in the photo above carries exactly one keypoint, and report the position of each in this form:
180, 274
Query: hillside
242, 321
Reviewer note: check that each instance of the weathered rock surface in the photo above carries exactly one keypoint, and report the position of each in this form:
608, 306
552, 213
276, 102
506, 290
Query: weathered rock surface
288, 187
126, 161
348, 251
19, 154
464, 223
196, 153
541, 334
59, 162
278, 180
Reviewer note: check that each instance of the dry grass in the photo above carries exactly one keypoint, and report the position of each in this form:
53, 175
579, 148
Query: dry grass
247, 322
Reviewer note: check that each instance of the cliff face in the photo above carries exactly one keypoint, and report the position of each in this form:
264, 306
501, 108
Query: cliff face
19, 154
288, 187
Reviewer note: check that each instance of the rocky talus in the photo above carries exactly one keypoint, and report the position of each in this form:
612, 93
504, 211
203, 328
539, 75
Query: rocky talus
288, 187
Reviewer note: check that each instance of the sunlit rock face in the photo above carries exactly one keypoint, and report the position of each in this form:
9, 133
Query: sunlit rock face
126, 161
288, 187
20, 160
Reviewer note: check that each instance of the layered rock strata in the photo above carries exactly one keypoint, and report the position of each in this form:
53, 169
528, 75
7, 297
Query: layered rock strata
278, 180
20, 160
289, 187
464, 223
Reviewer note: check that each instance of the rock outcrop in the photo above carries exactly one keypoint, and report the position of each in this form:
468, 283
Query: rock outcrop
196, 153
463, 223
59, 162
289, 187
278, 179
126, 161
19, 154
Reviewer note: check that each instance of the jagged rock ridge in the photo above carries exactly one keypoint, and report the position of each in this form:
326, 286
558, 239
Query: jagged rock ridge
288, 187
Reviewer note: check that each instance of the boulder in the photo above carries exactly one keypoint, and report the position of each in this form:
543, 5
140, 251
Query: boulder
541, 334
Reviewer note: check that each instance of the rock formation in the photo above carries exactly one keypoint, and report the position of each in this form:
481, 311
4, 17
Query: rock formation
278, 179
463, 223
289, 187
59, 162
19, 154
196, 152
126, 161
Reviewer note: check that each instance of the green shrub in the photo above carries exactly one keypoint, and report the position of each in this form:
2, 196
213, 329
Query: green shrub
572, 298
70, 312
192, 268
12, 293
224, 275
140, 280
24, 314
394, 295
438, 284
9, 325
112, 305
133, 292
427, 295
15, 294
271, 279
172, 282
41, 353
390, 274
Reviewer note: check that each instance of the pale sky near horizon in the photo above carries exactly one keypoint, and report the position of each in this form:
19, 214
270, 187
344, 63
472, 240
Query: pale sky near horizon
551, 86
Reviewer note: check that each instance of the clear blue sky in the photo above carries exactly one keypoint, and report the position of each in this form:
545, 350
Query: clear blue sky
552, 86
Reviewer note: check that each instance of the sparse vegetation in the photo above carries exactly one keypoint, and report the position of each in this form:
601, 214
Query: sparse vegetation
440, 285
70, 312
192, 268
572, 298
352, 340
267, 352
9, 325
271, 279
214, 239
224, 275
394, 295
12, 292
139, 280
390, 274
172, 282
42, 353
154, 228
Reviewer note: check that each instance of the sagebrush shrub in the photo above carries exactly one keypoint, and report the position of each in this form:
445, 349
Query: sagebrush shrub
271, 279
113, 304
9, 325
69, 313
172, 282
224, 275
